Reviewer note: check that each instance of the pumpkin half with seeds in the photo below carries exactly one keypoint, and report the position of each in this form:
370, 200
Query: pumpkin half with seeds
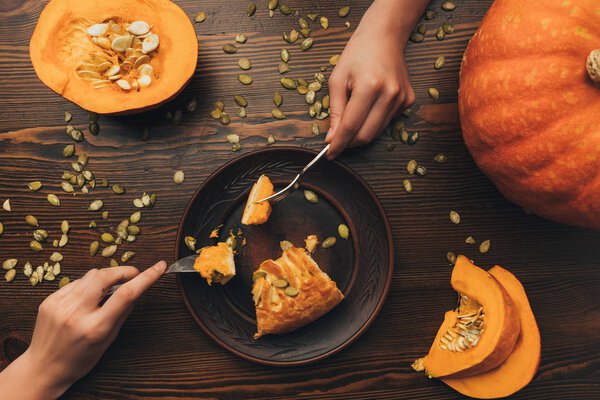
480, 334
528, 102
114, 56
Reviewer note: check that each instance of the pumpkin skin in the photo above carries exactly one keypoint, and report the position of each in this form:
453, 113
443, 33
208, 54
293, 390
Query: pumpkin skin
528, 107
58, 45
501, 326
521, 365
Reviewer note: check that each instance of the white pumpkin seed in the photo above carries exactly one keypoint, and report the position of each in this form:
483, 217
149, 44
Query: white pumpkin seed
96, 205
454, 217
150, 43
6, 205
53, 200
200, 17
484, 247
97, 30
9, 264
138, 28
10, 275
109, 251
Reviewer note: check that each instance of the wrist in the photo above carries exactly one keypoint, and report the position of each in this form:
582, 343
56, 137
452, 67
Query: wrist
37, 380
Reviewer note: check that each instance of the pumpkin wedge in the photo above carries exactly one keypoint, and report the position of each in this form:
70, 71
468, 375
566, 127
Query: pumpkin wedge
480, 334
521, 365
258, 213
114, 56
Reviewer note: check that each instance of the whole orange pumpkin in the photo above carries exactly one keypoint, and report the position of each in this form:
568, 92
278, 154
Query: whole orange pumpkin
530, 109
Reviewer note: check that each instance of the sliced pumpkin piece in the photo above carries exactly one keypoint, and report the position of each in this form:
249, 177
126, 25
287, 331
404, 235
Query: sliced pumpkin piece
521, 365
258, 213
480, 334
114, 56
215, 263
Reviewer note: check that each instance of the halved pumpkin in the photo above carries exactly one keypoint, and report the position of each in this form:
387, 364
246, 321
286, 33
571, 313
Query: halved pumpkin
73, 52
480, 334
258, 213
521, 365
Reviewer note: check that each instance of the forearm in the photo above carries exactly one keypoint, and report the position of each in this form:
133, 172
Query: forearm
399, 17
24, 380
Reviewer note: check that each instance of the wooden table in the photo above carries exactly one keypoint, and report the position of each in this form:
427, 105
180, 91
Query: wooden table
161, 352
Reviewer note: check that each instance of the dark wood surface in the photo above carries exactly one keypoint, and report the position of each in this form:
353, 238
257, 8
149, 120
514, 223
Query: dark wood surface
161, 352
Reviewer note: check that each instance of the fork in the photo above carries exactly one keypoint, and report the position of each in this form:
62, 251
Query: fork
184, 265
289, 189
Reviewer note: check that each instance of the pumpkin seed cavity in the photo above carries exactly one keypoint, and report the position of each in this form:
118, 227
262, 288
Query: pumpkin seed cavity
468, 329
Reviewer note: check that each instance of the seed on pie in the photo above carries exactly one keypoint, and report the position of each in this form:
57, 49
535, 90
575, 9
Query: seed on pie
291, 291
258, 274
280, 283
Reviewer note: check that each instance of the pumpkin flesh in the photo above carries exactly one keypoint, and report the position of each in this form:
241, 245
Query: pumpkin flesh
500, 327
521, 365
258, 213
60, 43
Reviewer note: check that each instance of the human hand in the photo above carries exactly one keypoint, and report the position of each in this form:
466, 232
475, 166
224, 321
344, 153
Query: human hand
370, 83
73, 330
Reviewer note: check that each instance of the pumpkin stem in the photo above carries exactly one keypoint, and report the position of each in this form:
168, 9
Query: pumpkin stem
593, 65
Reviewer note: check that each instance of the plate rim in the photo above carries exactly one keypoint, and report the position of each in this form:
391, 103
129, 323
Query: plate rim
356, 334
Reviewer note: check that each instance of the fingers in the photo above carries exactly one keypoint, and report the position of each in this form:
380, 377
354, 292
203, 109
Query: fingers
360, 104
376, 121
129, 292
338, 98
96, 282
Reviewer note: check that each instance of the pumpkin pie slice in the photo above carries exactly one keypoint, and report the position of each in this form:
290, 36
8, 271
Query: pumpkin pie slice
258, 213
291, 292
215, 263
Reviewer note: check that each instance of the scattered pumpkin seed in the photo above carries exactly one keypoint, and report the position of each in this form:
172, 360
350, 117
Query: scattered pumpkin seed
448, 28
422, 29
310, 97
192, 105
411, 166
270, 140
326, 102
484, 247
434, 92
277, 113
440, 34
133, 230
439, 62
36, 246
96, 205
421, 170
34, 186
277, 99
470, 240
343, 231
236, 147
285, 9
273, 4
344, 11
128, 255
440, 158
200, 17
312, 16
113, 263
288, 83
311, 196
53, 200
283, 68
67, 187
10, 275
68, 116
333, 60
454, 217
315, 129
6, 205
138, 203
31, 220
9, 264
451, 257
245, 79
94, 246
329, 242
302, 90
430, 14
109, 251
105, 215
94, 129
40, 235
412, 138
107, 237
179, 177
64, 281
407, 185
64, 239
230, 48
416, 37
33, 280
190, 242
448, 6
242, 112
56, 257
27, 269
251, 9
324, 22
69, 150
233, 138
240, 101
177, 117
216, 113
1, 228
285, 55
306, 44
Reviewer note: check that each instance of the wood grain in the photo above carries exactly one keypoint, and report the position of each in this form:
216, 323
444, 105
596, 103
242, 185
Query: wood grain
161, 353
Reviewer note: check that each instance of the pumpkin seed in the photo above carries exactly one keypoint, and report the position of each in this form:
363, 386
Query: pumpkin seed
133, 230
55, 243
285, 245
416, 37
242, 112
53, 200
1, 228
312, 16
283, 68
105, 215
6, 205
440, 33
10, 275
251, 9
411, 166
40, 235
430, 14
107, 237
440, 158
277, 113
258, 274
240, 101
109, 251
280, 283
128, 255
407, 185
333, 60
315, 129
306, 44
96, 205
94, 127
177, 117
9, 264
470, 240
190, 242
225, 118
344, 11
69, 150
285, 55
138, 203
434, 92
285, 9
179, 177
36, 246
273, 4
94, 246
316, 86
404, 136
244, 63
64, 281
329, 242
229, 48
192, 105
56, 257
439, 62
294, 35
34, 186
64, 239
302, 90
324, 22
421, 170
310, 97
311, 196
27, 269
233, 138
216, 113
451, 257
245, 79
413, 137
288, 83
291, 291
200, 17
448, 28
484, 247
67, 187
118, 189
135, 217
448, 6
422, 29
277, 99
343, 231
454, 217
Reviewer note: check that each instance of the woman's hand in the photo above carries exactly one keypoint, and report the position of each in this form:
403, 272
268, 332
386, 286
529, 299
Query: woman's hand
370, 83
73, 330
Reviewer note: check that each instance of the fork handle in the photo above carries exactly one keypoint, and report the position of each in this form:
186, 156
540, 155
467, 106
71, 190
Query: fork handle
314, 160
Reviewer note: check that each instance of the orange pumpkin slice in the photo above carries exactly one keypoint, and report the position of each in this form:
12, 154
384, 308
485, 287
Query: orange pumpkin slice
258, 213
521, 365
480, 334
215, 263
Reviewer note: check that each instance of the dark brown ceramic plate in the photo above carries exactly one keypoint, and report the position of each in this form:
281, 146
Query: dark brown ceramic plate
361, 266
